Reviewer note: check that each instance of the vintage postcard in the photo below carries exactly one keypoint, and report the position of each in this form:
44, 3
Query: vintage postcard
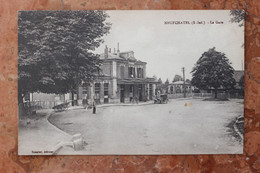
130, 82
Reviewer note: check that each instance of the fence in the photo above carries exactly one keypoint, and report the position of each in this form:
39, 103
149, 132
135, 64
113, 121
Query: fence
202, 95
28, 108
190, 95
206, 95
36, 105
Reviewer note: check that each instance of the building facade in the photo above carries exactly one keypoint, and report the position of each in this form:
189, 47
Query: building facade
122, 80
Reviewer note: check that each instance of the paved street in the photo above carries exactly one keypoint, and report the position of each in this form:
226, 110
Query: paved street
182, 126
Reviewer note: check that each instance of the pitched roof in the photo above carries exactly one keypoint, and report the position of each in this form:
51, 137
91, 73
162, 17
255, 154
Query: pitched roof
128, 55
110, 56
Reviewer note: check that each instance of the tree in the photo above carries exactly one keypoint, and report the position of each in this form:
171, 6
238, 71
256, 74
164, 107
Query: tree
165, 85
213, 71
166, 82
177, 78
187, 81
241, 83
160, 81
237, 17
55, 49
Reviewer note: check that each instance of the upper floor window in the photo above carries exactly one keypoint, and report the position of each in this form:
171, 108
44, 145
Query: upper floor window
131, 72
140, 73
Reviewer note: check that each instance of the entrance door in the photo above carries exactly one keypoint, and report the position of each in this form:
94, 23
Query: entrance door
140, 91
122, 93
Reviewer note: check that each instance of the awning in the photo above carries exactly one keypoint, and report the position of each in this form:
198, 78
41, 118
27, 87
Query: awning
137, 81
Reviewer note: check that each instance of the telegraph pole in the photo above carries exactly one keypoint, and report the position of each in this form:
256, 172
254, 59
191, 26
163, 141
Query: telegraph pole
184, 86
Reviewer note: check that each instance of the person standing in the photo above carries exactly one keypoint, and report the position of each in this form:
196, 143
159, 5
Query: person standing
85, 102
94, 107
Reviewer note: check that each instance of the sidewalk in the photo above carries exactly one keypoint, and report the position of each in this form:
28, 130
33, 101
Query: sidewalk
127, 104
114, 104
38, 136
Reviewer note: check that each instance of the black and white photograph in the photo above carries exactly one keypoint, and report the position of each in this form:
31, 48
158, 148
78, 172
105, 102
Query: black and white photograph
130, 82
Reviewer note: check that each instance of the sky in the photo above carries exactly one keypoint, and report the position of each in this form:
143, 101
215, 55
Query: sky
168, 47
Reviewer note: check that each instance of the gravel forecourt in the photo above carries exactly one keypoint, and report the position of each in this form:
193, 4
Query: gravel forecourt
183, 126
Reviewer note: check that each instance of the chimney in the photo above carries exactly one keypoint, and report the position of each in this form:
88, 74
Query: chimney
106, 52
118, 49
109, 50
114, 50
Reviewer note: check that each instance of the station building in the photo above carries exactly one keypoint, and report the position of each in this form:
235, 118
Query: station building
122, 80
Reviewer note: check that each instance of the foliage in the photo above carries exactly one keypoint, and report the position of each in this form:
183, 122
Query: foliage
177, 78
237, 16
166, 82
55, 49
160, 81
213, 71
187, 81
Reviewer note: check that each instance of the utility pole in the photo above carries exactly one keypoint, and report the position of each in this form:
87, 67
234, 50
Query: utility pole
184, 86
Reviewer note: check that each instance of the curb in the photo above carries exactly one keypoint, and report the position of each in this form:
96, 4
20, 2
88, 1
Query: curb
130, 104
111, 105
75, 141
237, 131
60, 144
47, 118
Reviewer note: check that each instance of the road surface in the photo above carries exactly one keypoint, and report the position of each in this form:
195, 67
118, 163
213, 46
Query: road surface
183, 126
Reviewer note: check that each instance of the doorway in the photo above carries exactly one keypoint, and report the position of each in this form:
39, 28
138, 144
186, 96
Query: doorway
122, 93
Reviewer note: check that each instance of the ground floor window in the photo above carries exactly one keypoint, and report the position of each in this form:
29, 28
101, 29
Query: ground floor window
106, 92
150, 91
97, 93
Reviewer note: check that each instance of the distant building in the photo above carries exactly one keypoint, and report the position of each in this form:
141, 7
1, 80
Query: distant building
178, 87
